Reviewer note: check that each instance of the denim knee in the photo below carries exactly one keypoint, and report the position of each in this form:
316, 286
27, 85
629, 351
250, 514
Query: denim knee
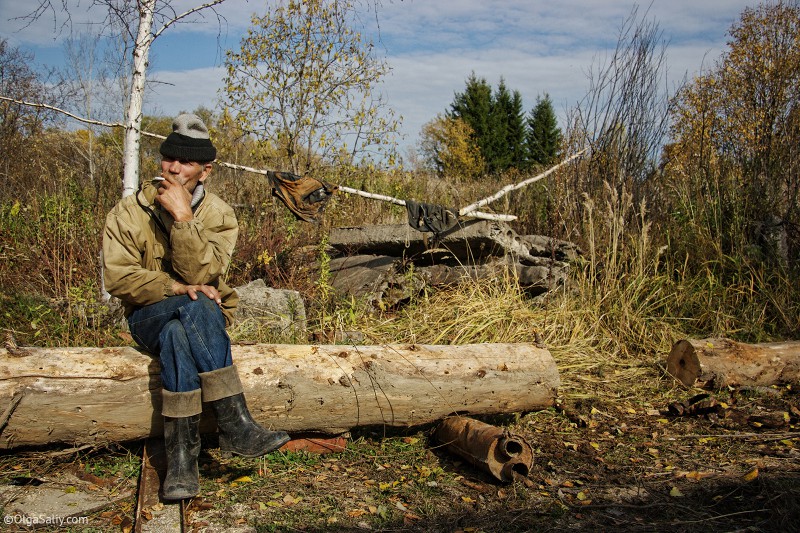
206, 307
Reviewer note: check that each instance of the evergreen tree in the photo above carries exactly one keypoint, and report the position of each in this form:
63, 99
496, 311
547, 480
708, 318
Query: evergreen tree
474, 107
543, 136
509, 136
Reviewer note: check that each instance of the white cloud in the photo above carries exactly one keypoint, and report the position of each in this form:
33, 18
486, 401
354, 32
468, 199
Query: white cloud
433, 46
171, 92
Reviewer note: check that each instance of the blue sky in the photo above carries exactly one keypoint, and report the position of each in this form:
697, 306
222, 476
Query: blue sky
432, 47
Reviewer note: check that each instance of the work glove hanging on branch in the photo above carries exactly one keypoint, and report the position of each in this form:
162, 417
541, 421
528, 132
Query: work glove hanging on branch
303, 195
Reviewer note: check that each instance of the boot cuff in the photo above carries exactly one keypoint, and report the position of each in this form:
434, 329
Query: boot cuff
181, 404
220, 383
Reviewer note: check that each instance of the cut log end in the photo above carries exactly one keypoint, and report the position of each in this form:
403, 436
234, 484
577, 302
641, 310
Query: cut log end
719, 362
683, 363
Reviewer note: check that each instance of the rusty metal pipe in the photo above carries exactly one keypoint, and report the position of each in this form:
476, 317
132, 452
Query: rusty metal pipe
488, 447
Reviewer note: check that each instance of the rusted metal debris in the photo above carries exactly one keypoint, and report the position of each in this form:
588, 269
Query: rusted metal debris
491, 448
316, 444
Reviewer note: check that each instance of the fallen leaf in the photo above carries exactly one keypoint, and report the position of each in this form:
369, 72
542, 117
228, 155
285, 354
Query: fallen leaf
291, 500
475, 486
675, 492
751, 475
694, 475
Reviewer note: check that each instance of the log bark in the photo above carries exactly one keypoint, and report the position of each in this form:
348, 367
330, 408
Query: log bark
718, 362
97, 395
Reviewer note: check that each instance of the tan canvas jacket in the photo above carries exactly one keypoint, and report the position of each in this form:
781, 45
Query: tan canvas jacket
144, 250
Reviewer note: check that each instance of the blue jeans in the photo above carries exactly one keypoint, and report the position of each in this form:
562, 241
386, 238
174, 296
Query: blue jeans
188, 335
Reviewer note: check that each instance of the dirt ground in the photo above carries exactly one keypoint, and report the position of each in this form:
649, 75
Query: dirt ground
622, 451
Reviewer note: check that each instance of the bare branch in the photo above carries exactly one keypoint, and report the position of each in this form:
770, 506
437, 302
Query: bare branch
76, 117
381, 197
186, 14
465, 211
39, 10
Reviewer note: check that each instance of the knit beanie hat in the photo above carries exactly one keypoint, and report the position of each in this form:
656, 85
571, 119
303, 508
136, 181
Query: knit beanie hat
189, 140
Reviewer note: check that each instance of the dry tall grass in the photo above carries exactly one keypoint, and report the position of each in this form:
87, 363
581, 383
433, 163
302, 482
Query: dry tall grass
635, 290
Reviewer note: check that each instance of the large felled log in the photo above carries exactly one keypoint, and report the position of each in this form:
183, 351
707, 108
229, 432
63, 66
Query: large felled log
95, 395
720, 362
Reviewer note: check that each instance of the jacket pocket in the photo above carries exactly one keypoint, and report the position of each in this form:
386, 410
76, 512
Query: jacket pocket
159, 257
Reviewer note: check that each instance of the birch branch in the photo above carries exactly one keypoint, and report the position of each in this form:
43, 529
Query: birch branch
396, 201
186, 14
76, 117
473, 213
466, 211
381, 197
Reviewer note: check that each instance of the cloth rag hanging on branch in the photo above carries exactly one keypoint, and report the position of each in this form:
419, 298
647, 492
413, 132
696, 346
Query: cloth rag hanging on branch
307, 205
430, 217
302, 195
306, 197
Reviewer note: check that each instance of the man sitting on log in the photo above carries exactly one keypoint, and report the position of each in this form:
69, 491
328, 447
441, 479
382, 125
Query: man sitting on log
165, 250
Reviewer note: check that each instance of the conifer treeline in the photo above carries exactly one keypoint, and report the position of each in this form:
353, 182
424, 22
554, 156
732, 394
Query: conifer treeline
506, 136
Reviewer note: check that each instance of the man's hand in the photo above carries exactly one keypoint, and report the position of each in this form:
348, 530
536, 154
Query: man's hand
174, 197
180, 289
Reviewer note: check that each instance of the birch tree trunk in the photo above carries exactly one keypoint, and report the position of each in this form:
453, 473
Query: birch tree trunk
133, 120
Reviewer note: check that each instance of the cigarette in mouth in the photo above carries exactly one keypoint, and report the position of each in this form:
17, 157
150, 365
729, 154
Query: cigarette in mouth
159, 178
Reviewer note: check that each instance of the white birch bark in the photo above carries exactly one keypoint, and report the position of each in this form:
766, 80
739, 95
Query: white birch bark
133, 120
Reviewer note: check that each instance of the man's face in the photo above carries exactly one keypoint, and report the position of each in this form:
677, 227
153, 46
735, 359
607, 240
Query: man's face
188, 173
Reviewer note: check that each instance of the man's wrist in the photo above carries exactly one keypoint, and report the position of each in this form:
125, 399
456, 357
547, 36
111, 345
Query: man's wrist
176, 287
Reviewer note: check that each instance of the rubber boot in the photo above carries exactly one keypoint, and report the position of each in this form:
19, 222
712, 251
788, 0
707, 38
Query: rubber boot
238, 432
182, 444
